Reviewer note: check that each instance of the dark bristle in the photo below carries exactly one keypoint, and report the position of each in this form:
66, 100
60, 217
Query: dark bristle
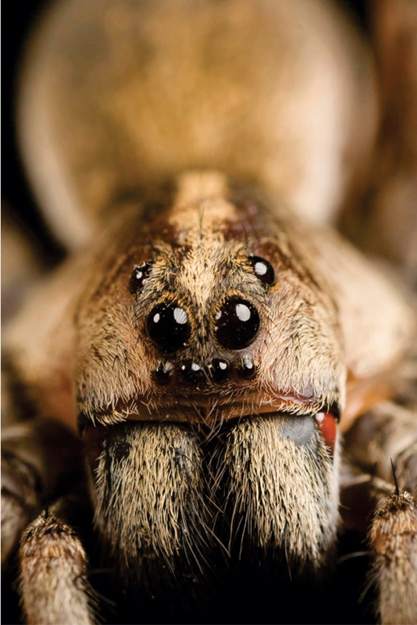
397, 490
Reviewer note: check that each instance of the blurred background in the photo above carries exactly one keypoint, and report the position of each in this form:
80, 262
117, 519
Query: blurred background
18, 18
28, 246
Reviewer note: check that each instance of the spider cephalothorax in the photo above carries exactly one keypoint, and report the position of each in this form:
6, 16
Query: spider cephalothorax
190, 324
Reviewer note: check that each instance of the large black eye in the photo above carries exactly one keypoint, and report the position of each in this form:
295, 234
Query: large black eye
262, 269
139, 274
236, 323
168, 327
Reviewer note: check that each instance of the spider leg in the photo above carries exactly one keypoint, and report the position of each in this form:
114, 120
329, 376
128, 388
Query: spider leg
383, 445
40, 458
53, 563
42, 461
19, 501
393, 539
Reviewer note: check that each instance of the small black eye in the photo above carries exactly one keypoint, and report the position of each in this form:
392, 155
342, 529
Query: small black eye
219, 369
247, 369
262, 269
168, 327
162, 374
140, 273
191, 372
236, 323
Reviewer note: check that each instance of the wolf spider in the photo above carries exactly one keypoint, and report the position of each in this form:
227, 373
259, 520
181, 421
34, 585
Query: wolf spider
214, 400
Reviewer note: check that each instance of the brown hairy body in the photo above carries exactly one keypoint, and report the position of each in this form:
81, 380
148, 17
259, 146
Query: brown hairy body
213, 331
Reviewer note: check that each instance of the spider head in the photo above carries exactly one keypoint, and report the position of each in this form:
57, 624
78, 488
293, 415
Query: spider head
210, 308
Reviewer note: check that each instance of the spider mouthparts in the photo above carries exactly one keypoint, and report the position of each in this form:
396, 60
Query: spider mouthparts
301, 430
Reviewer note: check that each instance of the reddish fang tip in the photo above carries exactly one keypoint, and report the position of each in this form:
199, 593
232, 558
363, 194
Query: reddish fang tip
328, 427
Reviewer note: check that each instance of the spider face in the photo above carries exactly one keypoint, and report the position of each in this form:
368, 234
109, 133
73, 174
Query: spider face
207, 318
228, 358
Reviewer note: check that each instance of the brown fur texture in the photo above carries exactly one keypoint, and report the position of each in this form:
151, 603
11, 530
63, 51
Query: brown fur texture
148, 490
302, 353
267, 475
14, 519
381, 447
159, 490
206, 245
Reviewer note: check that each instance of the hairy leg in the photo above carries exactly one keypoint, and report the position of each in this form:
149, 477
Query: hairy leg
40, 459
43, 460
393, 539
383, 446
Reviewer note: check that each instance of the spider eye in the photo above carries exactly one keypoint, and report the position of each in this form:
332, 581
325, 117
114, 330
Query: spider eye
219, 369
236, 323
162, 374
191, 372
168, 327
246, 369
327, 424
263, 269
140, 273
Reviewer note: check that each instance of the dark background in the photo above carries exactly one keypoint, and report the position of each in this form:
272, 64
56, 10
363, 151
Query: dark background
17, 201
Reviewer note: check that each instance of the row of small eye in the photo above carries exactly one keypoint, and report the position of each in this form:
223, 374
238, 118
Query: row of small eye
217, 370
261, 267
